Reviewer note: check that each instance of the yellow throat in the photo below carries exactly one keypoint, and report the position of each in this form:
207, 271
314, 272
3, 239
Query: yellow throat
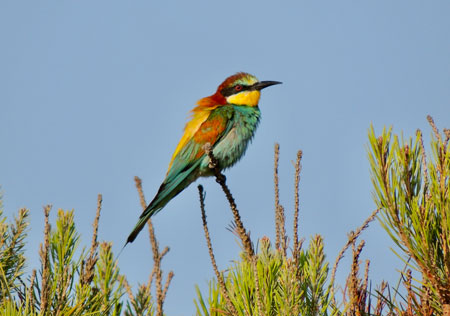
249, 98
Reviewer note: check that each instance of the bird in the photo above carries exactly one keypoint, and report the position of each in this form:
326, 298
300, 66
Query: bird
227, 120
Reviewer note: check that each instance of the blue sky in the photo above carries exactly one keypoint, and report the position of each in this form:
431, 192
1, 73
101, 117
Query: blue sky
93, 93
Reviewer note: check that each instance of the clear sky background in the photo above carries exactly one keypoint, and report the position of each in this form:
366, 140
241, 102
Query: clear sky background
93, 93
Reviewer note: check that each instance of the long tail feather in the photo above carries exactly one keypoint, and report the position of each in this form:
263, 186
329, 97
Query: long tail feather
139, 226
167, 191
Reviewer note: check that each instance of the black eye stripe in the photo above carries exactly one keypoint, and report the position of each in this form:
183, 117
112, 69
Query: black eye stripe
231, 90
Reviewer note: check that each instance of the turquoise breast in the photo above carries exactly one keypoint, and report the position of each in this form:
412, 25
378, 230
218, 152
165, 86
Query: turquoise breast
240, 130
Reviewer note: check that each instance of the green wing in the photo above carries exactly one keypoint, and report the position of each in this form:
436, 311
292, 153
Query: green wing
185, 166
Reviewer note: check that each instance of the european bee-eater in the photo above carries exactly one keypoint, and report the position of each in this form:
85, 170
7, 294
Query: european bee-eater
227, 120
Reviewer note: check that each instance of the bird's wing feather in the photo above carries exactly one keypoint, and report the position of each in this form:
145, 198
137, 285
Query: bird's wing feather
188, 158
185, 163
199, 115
210, 131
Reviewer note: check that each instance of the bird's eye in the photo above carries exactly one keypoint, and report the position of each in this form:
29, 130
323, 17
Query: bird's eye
238, 87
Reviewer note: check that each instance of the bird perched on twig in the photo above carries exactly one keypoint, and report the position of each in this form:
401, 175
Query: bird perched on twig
227, 120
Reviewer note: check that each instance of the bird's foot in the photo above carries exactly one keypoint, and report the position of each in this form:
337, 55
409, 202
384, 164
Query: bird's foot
220, 178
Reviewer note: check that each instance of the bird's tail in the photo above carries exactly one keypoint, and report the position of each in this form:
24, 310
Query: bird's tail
149, 211
167, 191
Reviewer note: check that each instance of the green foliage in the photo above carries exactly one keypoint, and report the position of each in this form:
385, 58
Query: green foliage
412, 193
414, 197
12, 258
68, 284
142, 303
287, 285
66, 290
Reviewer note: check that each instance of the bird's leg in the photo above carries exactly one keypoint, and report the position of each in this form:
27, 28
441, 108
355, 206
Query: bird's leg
214, 164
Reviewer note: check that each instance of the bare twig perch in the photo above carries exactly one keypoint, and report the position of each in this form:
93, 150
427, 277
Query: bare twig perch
220, 178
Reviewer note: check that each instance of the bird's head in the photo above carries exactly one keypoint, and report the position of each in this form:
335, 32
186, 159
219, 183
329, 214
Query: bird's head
239, 89
243, 89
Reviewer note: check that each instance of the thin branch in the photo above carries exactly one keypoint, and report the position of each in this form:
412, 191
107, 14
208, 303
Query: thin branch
151, 276
381, 302
138, 182
157, 256
128, 290
45, 290
366, 276
88, 267
354, 288
164, 252
435, 129
155, 249
94, 243
219, 276
166, 286
282, 228
277, 195
447, 137
220, 179
298, 168
258, 293
424, 162
31, 288
351, 238
411, 298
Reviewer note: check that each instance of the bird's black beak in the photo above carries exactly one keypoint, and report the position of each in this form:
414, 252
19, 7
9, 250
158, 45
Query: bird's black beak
264, 84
